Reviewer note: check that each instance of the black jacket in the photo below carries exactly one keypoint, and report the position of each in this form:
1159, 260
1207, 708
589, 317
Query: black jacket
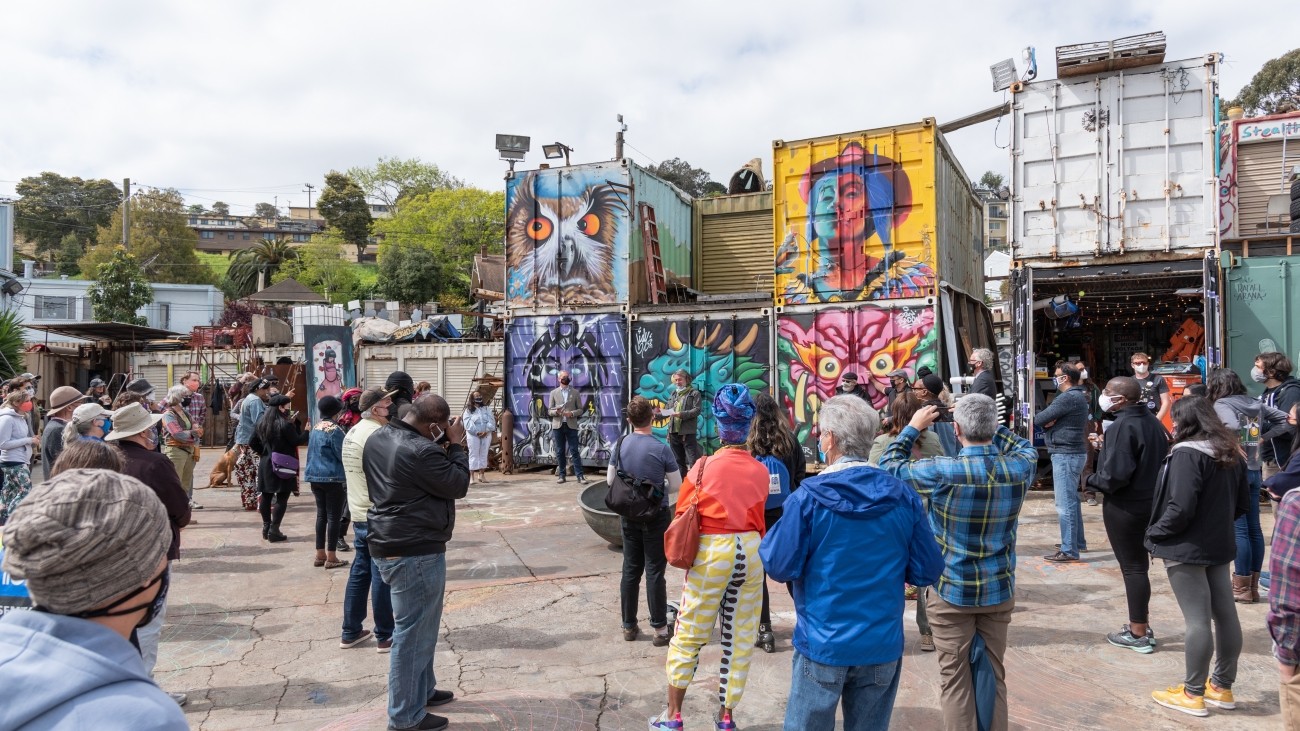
414, 484
160, 475
1196, 502
984, 384
1286, 395
1128, 467
286, 439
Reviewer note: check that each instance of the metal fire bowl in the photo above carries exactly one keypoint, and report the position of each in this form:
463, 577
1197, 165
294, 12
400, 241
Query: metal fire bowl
602, 520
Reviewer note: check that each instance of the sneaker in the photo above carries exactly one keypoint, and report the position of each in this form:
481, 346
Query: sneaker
1219, 697
349, 644
1124, 638
1151, 636
1092, 501
195, 506
663, 635
1178, 700
927, 643
658, 723
630, 633
383, 647
430, 722
1061, 557
180, 698
343, 547
440, 698
724, 722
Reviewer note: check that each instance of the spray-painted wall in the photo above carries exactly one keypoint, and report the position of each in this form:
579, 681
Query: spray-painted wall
715, 348
815, 347
593, 349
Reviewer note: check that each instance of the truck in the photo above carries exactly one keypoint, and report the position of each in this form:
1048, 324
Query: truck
1114, 225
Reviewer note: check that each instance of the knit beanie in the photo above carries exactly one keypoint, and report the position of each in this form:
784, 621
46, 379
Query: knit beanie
933, 383
329, 407
734, 409
400, 382
85, 538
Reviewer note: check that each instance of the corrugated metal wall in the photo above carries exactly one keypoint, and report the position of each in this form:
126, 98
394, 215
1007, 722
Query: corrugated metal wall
448, 367
733, 243
1260, 176
673, 215
959, 226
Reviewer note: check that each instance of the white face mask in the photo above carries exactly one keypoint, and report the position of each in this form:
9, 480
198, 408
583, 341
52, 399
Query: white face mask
1105, 402
1141, 370
1083, 374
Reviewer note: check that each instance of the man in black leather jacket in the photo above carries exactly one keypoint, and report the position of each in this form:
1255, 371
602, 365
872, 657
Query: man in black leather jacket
416, 468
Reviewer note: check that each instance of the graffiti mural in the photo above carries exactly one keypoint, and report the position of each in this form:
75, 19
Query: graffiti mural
814, 349
847, 224
593, 350
715, 351
567, 234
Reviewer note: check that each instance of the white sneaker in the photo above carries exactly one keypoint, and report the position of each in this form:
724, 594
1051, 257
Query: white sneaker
180, 698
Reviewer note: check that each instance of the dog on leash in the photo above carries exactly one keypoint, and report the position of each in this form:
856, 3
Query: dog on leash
221, 471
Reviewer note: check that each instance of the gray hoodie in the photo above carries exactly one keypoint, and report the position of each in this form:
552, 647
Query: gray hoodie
1253, 421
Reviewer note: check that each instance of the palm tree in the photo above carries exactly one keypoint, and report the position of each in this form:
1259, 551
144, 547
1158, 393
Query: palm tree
260, 262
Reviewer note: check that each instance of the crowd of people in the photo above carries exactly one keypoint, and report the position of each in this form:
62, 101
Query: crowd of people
932, 489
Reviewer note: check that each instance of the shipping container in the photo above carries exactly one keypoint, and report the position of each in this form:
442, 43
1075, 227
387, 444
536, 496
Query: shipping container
715, 345
733, 243
449, 368
593, 349
1258, 159
573, 236
817, 344
881, 214
1260, 295
1119, 164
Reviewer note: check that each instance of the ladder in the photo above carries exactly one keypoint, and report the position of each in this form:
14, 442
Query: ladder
657, 288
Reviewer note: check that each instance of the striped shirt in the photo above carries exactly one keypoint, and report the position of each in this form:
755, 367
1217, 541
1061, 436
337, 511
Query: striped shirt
974, 504
1284, 592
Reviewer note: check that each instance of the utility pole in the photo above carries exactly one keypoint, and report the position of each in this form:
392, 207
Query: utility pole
618, 139
308, 191
126, 213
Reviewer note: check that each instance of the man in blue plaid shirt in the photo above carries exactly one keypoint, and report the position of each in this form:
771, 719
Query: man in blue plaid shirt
974, 503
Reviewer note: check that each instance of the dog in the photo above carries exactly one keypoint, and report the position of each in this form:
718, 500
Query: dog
221, 471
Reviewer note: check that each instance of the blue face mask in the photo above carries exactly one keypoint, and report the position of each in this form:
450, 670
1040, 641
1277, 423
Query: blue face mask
108, 425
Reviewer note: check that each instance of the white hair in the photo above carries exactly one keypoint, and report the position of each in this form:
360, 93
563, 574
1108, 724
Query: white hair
176, 393
977, 416
852, 422
984, 356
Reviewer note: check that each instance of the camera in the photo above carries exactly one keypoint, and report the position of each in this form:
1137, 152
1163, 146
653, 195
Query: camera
945, 413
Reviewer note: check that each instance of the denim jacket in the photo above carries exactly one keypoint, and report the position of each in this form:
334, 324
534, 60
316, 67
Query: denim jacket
325, 454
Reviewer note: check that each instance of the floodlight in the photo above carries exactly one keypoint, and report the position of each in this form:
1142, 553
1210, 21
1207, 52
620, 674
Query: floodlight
1004, 74
512, 147
557, 150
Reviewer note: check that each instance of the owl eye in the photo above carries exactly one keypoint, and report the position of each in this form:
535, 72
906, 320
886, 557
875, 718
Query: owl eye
539, 229
589, 224
828, 367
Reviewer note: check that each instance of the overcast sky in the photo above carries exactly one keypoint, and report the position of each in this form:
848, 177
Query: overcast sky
245, 100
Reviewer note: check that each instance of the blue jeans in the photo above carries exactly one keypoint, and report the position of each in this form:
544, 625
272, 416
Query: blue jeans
867, 690
417, 584
1250, 537
364, 579
566, 436
1065, 483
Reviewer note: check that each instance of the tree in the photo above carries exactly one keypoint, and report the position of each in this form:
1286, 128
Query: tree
11, 343
221, 209
161, 240
238, 312
391, 181
455, 224
677, 171
1274, 89
120, 289
343, 206
60, 215
990, 180
411, 274
196, 209
321, 266
713, 189
266, 210
258, 262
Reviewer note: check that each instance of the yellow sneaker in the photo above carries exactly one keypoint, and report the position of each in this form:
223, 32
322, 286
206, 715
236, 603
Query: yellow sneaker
1178, 700
1220, 698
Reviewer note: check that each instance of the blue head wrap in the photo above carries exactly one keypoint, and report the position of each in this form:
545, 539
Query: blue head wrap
734, 409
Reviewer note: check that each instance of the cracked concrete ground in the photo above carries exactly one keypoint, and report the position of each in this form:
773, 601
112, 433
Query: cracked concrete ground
531, 638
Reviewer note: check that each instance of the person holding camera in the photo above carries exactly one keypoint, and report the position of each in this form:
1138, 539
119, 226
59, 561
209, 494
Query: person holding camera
1065, 424
929, 389
643, 456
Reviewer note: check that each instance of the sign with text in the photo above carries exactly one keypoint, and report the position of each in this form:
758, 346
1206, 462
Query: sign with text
1268, 130
13, 592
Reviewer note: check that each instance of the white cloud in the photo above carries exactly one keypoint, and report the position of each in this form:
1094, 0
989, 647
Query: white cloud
244, 100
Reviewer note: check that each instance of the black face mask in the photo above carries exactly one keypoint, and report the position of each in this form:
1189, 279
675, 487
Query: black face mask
186, 401
152, 609
564, 381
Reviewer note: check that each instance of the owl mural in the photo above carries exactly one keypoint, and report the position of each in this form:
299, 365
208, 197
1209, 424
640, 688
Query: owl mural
560, 246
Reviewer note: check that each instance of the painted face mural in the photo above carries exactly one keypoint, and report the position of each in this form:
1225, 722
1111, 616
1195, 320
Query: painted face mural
842, 230
813, 350
714, 352
592, 349
565, 230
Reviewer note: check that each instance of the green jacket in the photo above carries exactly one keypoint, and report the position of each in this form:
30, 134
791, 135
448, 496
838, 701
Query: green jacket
686, 403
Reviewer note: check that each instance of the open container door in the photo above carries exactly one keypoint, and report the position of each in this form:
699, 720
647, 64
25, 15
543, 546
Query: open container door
1022, 347
1213, 314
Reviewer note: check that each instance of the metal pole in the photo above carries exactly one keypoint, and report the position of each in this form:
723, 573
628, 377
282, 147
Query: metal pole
308, 191
126, 213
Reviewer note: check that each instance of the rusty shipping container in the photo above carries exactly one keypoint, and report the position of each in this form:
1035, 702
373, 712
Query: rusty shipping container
1258, 159
574, 237
875, 215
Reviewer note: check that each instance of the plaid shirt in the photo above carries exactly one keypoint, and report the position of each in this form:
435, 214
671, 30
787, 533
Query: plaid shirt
1284, 591
974, 503
198, 408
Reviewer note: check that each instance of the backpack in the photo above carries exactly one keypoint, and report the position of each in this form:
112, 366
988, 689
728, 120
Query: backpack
778, 481
638, 500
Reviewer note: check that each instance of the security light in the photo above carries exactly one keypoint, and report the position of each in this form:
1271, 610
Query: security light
1004, 74
512, 147
557, 150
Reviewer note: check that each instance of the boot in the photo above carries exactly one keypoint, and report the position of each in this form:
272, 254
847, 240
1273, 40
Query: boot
1241, 589
266, 530
274, 535
1254, 587
766, 640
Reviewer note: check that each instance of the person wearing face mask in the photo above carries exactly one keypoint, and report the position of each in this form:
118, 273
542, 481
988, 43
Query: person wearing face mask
181, 439
416, 469
1095, 414
375, 405
277, 438
62, 402
563, 405
92, 547
89, 421
684, 409
980, 364
16, 445
1154, 390
1065, 423
479, 424
1281, 391
1128, 468
849, 386
135, 430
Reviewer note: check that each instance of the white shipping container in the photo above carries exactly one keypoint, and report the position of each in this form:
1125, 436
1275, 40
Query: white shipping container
1115, 163
316, 315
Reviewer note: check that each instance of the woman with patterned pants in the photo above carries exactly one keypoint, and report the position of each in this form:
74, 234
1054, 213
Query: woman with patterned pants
729, 490
245, 471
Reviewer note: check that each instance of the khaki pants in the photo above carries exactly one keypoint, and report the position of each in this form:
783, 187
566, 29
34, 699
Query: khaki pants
1289, 696
954, 630
183, 460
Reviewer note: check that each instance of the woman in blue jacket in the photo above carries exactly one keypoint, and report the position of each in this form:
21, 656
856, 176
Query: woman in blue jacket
325, 475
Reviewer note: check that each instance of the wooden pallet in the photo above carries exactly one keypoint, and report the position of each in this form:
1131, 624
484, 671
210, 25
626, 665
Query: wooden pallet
1147, 49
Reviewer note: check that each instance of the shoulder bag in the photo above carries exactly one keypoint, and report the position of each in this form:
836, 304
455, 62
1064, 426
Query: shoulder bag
284, 466
682, 539
638, 500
